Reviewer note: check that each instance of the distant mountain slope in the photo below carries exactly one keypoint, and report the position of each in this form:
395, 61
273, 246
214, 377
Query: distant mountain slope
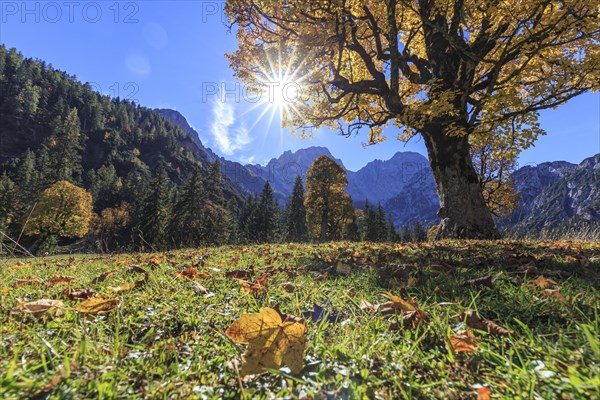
566, 194
379, 181
245, 179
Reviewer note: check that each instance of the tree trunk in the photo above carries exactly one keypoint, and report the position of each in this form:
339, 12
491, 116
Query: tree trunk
463, 212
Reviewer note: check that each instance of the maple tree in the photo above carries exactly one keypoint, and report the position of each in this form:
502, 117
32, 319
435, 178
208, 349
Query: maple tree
454, 72
328, 207
63, 209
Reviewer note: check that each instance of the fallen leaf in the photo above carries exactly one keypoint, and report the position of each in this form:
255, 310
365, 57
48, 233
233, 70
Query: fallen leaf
271, 341
60, 280
342, 268
199, 289
102, 277
40, 307
484, 281
556, 294
410, 320
78, 294
28, 280
192, 273
18, 266
544, 283
122, 288
464, 341
239, 274
397, 305
260, 286
98, 305
484, 393
476, 322
289, 287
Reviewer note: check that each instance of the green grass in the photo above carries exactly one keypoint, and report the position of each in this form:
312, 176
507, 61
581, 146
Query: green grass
167, 341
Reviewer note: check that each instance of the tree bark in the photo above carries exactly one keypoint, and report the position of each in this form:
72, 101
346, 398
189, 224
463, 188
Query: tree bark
463, 211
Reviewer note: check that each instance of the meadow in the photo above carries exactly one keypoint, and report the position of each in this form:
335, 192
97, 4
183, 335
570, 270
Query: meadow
452, 320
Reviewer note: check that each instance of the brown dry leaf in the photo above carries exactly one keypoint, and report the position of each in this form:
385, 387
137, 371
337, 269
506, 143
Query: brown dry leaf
474, 321
556, 294
18, 266
60, 280
410, 320
272, 342
322, 277
544, 283
464, 341
123, 287
260, 286
365, 305
484, 393
102, 277
28, 280
192, 273
4, 290
289, 287
240, 274
484, 281
397, 305
98, 305
40, 307
78, 294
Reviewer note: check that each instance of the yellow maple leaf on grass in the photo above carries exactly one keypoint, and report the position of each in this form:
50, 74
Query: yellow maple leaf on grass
272, 342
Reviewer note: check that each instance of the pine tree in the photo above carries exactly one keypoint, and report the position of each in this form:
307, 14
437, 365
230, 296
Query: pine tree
406, 235
267, 215
186, 226
295, 225
248, 220
419, 233
65, 148
365, 229
214, 185
379, 225
8, 205
391, 232
153, 213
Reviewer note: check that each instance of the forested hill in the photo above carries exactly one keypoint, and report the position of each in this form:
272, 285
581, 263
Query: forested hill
117, 141
133, 162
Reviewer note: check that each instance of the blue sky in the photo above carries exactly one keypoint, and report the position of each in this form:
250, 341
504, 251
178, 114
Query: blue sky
170, 54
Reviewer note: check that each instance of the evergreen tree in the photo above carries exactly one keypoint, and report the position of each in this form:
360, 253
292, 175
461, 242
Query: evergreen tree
65, 148
267, 215
248, 220
214, 185
186, 226
153, 213
379, 225
419, 233
8, 206
391, 232
406, 235
365, 228
295, 226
